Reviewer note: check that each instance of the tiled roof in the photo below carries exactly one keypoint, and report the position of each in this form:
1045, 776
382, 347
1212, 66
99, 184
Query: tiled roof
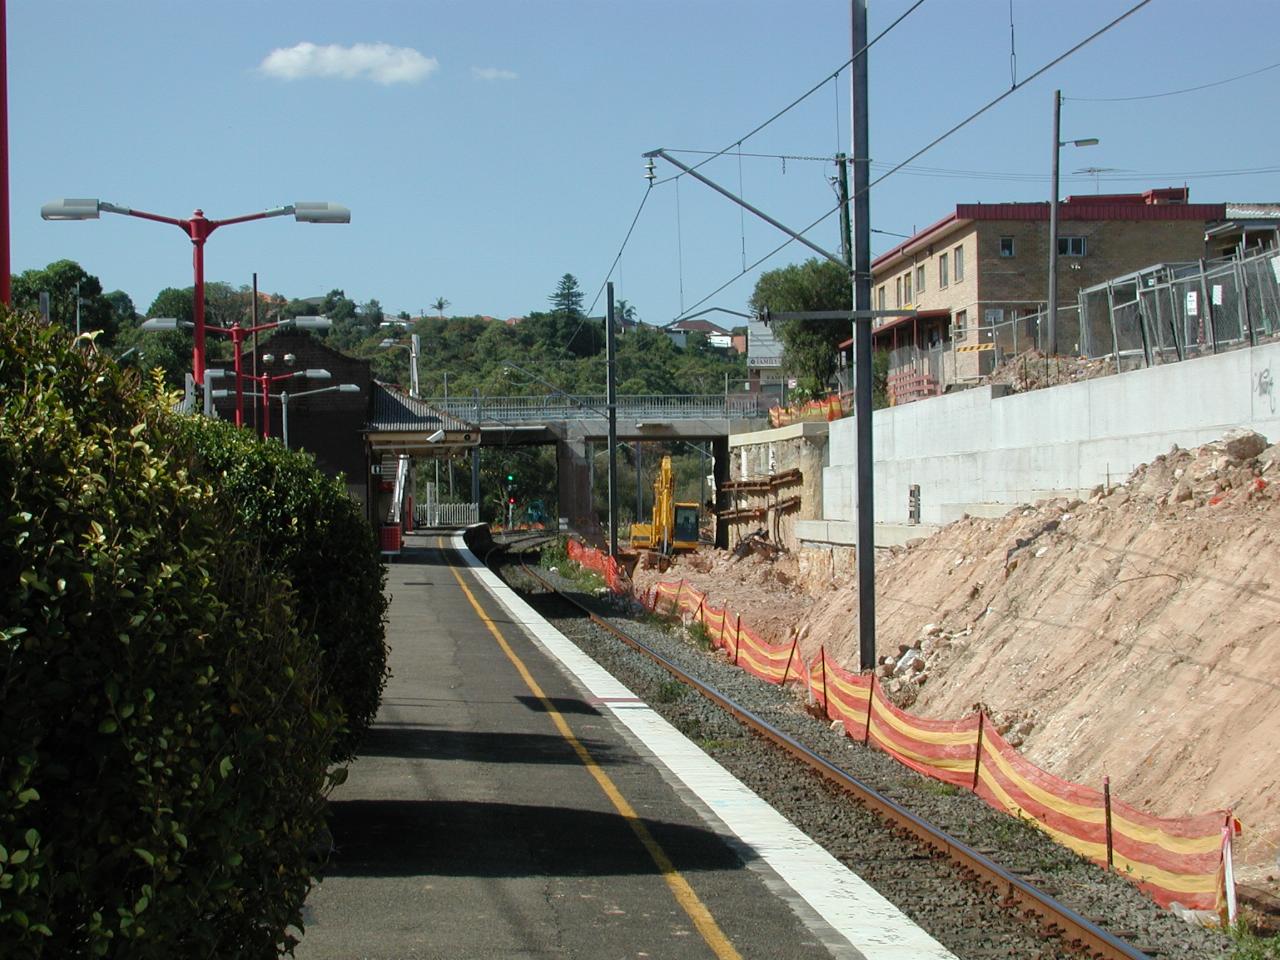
395, 410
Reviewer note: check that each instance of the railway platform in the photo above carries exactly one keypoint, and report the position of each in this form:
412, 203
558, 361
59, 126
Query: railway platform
512, 800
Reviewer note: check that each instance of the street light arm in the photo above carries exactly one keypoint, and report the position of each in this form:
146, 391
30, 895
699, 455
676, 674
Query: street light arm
262, 215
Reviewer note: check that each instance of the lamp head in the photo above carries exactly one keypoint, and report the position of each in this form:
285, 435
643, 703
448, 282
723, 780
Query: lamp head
436, 437
70, 209
348, 388
311, 323
317, 374
305, 211
163, 323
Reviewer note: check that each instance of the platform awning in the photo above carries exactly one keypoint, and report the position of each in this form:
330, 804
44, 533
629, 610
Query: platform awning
400, 423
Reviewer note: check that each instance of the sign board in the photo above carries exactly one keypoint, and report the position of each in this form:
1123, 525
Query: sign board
1275, 267
1217, 294
1193, 303
763, 348
375, 469
975, 347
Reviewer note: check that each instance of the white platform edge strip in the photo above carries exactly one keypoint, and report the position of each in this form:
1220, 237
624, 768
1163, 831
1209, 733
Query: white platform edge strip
870, 923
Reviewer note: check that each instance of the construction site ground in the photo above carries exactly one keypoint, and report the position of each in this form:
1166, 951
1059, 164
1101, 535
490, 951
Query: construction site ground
1131, 635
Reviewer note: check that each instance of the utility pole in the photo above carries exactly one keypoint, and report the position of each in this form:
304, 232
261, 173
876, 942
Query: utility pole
846, 233
611, 398
862, 340
1052, 332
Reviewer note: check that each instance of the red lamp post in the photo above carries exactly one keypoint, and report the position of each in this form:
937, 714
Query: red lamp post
197, 227
265, 379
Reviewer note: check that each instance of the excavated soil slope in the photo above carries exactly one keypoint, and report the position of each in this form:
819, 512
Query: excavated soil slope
1133, 635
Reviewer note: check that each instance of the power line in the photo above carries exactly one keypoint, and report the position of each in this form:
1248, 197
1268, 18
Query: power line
748, 269
630, 230
1018, 86
808, 93
1174, 93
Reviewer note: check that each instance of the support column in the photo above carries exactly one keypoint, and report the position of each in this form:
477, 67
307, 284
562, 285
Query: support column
573, 475
720, 450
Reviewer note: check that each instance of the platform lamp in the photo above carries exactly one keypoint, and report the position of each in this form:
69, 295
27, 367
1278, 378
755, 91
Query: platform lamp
197, 227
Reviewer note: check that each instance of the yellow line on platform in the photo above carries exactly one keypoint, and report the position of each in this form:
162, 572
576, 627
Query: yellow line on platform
680, 887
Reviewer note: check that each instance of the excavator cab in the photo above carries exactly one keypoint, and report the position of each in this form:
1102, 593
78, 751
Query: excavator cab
674, 525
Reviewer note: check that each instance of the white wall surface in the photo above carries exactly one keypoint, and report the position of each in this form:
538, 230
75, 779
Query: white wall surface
970, 450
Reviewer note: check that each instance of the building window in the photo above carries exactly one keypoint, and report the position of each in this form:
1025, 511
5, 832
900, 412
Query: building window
897, 292
906, 288
960, 324
920, 279
882, 294
1072, 247
943, 280
1006, 246
957, 261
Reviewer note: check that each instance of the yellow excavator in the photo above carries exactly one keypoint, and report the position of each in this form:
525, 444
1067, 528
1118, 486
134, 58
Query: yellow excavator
674, 526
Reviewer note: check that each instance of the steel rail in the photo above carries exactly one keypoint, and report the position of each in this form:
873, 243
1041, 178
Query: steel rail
1057, 919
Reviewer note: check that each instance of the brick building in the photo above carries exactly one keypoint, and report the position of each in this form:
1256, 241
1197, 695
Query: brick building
985, 266
328, 425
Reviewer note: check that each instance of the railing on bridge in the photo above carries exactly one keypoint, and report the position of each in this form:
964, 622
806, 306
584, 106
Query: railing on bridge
561, 407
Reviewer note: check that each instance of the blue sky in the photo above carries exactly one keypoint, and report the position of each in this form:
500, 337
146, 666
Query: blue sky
487, 147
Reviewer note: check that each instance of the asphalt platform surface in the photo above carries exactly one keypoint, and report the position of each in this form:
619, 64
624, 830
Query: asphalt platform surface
470, 826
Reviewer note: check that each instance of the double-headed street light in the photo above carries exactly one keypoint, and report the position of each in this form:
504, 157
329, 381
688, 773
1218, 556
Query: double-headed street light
264, 381
197, 227
284, 402
1058, 144
238, 332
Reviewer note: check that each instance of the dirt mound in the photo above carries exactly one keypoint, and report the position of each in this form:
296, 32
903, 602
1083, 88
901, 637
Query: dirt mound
1132, 635
1032, 370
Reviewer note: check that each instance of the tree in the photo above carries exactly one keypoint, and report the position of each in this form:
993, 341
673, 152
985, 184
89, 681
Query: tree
371, 314
569, 326
64, 280
439, 305
810, 347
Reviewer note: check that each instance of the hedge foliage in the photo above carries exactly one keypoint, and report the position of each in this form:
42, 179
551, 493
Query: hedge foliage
310, 531
164, 729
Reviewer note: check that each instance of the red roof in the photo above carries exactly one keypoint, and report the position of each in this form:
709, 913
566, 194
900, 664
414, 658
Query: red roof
1168, 203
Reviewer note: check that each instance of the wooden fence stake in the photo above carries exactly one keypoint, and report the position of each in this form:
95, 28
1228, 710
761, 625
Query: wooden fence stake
871, 695
737, 640
826, 697
1106, 802
790, 656
977, 759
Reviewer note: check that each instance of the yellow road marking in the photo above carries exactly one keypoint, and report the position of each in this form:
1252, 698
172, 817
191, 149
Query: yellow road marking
680, 888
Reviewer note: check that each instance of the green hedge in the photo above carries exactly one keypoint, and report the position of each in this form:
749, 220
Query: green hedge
164, 731
314, 534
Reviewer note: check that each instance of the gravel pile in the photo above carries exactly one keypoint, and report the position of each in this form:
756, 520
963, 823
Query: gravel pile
964, 917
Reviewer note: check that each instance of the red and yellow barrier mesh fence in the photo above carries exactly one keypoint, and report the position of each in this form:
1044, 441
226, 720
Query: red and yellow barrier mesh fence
774, 663
1171, 859
832, 407
600, 562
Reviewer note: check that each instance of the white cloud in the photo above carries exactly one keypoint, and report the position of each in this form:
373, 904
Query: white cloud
493, 73
379, 62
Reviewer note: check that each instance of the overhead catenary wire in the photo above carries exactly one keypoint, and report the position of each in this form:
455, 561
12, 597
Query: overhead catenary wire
1174, 93
1017, 86
808, 93
933, 143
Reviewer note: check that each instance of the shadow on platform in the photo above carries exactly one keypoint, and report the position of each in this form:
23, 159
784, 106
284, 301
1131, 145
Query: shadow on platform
429, 743
403, 838
560, 705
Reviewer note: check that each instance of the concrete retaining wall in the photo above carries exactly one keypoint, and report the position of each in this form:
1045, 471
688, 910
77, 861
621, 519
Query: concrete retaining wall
973, 452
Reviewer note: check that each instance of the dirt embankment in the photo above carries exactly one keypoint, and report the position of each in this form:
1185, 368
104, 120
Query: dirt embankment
1135, 635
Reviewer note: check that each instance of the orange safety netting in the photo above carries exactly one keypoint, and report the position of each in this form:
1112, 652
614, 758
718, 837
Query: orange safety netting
600, 562
1171, 859
832, 407
775, 663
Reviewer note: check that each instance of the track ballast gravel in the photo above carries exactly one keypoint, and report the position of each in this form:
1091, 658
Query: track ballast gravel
966, 918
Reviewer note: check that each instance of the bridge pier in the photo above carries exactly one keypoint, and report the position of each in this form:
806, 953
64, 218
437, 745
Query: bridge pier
573, 476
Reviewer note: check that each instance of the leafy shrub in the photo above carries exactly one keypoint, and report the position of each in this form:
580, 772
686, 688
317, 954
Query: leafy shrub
312, 533
163, 731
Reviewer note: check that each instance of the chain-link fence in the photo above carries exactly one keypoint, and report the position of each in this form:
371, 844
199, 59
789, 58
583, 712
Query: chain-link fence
1176, 311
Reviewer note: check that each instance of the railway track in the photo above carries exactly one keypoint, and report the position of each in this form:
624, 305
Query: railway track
983, 884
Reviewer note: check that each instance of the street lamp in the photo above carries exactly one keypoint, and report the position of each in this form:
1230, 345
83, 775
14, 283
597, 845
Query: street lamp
1058, 144
197, 228
238, 332
264, 381
284, 401
413, 346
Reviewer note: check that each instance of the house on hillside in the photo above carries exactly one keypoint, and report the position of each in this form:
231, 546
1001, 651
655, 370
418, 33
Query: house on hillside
983, 268
679, 331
